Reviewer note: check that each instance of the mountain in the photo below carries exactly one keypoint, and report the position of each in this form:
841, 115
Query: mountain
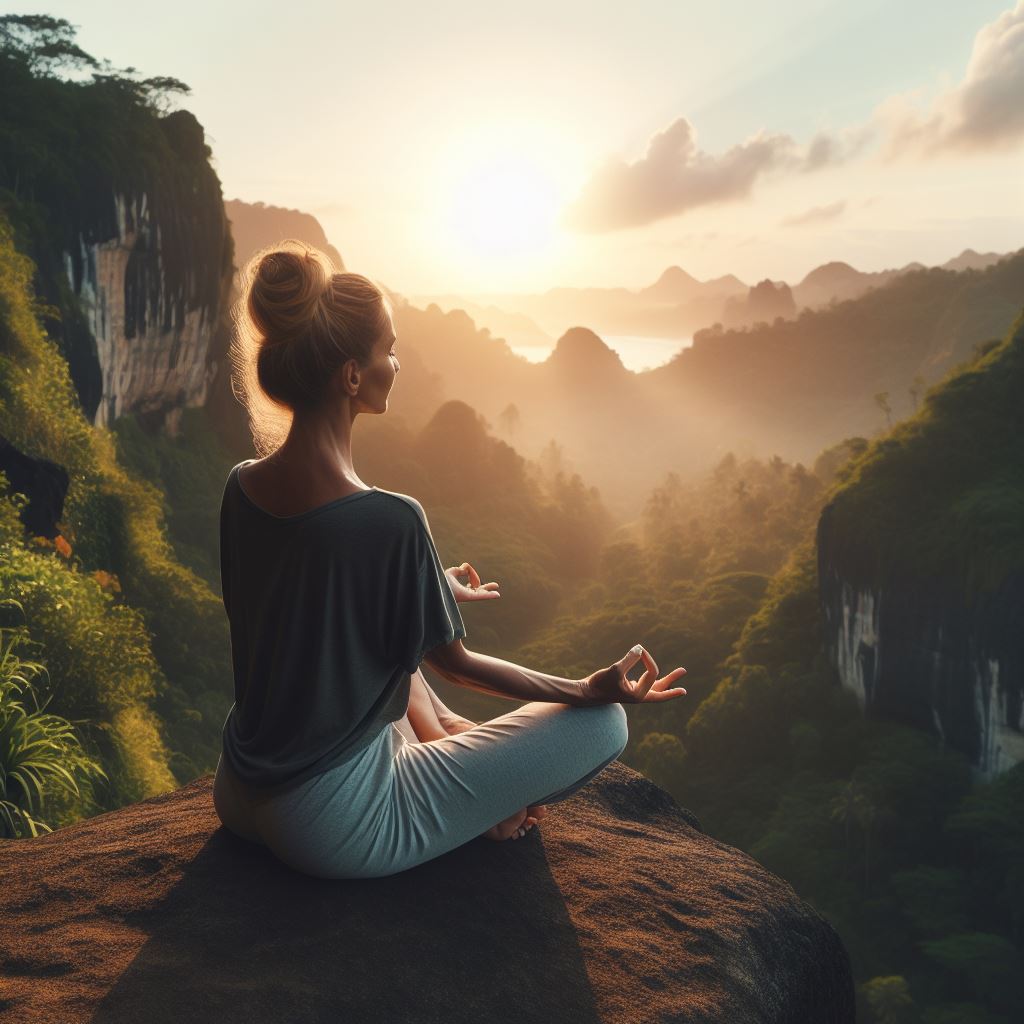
921, 565
255, 225
797, 386
971, 260
674, 286
678, 304
764, 302
838, 281
128, 232
582, 356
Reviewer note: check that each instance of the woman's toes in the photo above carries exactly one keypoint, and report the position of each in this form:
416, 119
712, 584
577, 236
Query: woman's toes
537, 811
509, 828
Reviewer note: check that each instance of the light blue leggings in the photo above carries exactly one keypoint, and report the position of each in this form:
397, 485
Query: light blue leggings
397, 804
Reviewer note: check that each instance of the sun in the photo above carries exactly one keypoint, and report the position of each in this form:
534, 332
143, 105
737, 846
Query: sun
504, 211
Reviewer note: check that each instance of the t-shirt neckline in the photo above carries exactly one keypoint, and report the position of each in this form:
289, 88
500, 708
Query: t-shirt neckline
298, 515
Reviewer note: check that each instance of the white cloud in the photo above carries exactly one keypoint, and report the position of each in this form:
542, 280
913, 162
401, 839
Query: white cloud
675, 176
815, 215
983, 112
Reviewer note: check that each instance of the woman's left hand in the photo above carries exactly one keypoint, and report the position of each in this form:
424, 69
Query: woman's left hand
474, 591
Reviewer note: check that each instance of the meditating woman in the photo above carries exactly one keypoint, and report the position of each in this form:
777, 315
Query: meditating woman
337, 755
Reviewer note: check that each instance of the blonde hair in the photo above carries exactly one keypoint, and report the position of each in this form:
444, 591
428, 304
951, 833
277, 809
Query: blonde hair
297, 321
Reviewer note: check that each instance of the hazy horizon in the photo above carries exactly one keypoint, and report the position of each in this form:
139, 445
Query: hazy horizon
471, 156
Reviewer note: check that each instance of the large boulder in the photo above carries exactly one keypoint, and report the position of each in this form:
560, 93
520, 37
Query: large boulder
615, 908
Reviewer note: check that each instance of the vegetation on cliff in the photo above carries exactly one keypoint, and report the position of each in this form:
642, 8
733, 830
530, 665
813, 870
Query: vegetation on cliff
120, 620
70, 147
941, 497
880, 826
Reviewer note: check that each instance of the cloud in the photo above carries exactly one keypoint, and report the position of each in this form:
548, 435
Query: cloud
674, 176
983, 112
815, 215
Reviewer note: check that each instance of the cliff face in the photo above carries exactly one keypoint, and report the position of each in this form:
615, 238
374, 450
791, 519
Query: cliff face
151, 267
920, 566
932, 659
153, 335
616, 908
128, 234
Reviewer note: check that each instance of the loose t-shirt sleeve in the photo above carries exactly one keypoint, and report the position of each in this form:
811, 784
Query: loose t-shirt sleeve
330, 611
426, 614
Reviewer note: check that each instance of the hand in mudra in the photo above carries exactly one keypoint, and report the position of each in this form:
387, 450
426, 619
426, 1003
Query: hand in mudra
611, 686
473, 591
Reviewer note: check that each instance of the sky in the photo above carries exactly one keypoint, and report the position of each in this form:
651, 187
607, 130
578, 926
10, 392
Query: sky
460, 147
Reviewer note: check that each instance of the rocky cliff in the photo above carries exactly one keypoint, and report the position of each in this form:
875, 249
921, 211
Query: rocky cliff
921, 575
152, 272
615, 908
931, 658
119, 208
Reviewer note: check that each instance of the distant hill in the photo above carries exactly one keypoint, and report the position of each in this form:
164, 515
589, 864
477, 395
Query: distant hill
764, 303
837, 281
254, 225
678, 304
971, 260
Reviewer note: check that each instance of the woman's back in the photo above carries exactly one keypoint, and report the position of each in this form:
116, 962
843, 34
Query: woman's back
330, 609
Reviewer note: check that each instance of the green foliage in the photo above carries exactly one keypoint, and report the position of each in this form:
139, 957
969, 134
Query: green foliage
660, 756
72, 150
188, 473
934, 899
37, 750
918, 865
927, 500
163, 637
990, 964
889, 1000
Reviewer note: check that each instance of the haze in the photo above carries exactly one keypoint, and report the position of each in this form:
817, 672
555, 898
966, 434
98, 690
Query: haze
456, 149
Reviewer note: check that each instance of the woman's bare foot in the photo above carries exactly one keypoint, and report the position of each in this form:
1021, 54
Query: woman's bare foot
518, 824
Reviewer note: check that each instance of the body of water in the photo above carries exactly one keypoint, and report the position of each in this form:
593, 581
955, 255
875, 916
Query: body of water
636, 352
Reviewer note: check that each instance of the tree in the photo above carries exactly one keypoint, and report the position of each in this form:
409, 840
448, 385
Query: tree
889, 1000
917, 389
509, 419
46, 45
882, 401
660, 757
854, 804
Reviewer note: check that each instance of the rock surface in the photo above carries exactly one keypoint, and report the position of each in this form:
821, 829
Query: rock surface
615, 908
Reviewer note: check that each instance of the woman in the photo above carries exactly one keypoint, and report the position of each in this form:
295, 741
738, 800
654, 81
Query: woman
336, 753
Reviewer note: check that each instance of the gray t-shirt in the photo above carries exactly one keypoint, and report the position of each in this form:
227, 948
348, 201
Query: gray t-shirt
330, 612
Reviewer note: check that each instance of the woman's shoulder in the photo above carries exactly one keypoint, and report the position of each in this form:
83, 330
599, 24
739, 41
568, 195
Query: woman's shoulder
397, 500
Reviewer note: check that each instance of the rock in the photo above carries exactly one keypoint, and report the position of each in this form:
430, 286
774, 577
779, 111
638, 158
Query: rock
615, 908
43, 482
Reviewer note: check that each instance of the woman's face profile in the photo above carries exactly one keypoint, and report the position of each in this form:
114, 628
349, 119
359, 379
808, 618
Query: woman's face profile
378, 377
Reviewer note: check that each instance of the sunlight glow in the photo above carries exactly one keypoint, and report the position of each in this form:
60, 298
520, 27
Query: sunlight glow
504, 210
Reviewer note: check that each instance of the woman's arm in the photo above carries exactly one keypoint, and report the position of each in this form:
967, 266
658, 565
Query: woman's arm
450, 722
428, 717
505, 678
426, 722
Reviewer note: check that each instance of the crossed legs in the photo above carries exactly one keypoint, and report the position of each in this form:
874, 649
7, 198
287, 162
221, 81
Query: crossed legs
424, 706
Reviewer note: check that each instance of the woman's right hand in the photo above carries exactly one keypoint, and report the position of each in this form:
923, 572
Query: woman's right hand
610, 685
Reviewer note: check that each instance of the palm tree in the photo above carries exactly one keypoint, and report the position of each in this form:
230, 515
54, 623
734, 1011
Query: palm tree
854, 804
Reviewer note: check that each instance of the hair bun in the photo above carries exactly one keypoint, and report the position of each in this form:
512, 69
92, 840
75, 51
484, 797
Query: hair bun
286, 290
